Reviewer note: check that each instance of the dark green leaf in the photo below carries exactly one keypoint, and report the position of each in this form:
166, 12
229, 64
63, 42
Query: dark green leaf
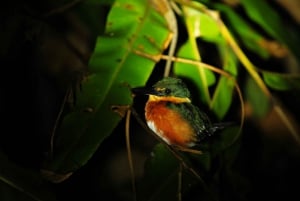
161, 177
270, 20
260, 104
282, 82
131, 26
225, 139
263, 14
249, 36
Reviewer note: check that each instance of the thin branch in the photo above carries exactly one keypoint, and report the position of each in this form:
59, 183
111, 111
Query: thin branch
129, 153
67, 95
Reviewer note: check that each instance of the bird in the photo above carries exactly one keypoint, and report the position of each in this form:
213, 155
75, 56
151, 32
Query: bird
171, 115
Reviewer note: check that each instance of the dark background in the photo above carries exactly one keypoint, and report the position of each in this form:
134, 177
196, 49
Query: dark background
43, 55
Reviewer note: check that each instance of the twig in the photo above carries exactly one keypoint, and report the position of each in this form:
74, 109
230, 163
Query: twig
129, 153
69, 91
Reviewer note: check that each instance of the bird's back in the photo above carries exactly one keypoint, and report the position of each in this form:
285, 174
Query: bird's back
198, 120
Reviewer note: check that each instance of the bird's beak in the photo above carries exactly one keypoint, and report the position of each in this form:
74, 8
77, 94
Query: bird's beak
143, 91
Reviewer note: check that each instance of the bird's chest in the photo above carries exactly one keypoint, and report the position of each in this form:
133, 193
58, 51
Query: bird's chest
169, 124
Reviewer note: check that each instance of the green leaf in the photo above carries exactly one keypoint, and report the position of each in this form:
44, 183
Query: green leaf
200, 24
249, 36
222, 97
21, 183
260, 104
265, 16
282, 82
197, 26
161, 176
131, 26
200, 76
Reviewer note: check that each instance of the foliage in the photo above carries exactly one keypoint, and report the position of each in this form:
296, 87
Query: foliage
239, 60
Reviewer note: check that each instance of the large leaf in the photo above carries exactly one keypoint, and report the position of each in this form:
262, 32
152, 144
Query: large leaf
131, 26
18, 183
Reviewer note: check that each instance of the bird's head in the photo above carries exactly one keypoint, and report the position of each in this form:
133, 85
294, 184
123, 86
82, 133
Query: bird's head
169, 88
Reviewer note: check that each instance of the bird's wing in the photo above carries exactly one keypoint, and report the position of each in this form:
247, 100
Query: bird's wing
199, 120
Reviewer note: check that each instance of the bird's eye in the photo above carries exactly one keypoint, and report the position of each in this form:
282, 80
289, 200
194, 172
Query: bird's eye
167, 91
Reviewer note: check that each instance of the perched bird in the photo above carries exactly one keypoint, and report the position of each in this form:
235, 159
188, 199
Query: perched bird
170, 114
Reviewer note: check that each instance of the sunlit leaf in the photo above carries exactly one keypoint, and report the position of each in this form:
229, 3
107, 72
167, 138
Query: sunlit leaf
222, 97
203, 78
223, 93
198, 25
131, 26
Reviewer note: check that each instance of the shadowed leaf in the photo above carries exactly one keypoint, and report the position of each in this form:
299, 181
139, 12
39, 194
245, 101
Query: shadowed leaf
131, 26
249, 36
260, 104
269, 19
282, 82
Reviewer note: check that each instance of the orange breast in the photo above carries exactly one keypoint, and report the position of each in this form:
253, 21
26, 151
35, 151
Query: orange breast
169, 125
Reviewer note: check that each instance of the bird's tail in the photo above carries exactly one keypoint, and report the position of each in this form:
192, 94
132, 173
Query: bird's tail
220, 126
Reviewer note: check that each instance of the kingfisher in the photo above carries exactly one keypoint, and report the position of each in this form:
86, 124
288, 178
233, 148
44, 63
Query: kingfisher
170, 114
